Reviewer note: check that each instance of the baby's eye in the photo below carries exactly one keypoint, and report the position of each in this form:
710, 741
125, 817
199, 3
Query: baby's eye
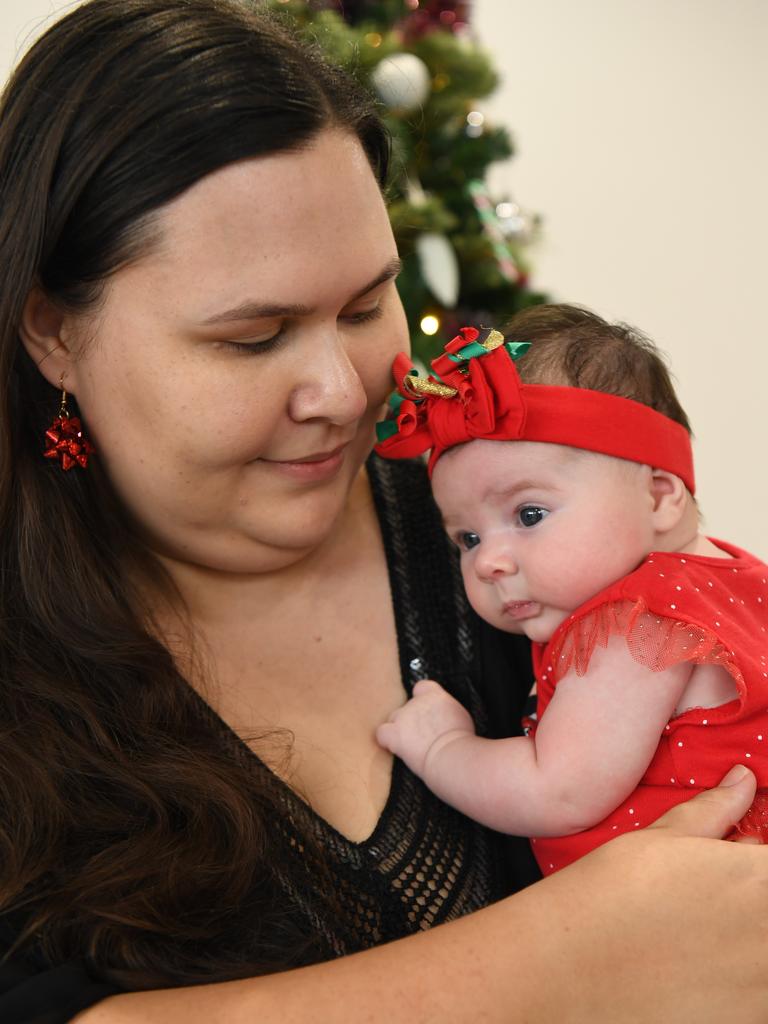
530, 515
467, 540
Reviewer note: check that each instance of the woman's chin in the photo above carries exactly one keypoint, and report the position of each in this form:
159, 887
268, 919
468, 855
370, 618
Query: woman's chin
268, 539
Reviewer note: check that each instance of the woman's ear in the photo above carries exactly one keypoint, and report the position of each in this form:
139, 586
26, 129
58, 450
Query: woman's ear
44, 332
670, 500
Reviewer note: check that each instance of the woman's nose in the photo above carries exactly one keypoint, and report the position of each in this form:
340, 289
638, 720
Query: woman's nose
494, 561
330, 387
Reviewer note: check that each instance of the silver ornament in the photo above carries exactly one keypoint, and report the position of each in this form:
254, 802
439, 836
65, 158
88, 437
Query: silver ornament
402, 81
439, 267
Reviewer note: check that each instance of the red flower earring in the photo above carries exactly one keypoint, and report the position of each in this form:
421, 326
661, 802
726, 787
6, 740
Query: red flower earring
64, 439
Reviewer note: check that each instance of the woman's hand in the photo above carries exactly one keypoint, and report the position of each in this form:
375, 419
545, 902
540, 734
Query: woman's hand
662, 926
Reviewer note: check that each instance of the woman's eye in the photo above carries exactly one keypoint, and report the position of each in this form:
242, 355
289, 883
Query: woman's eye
265, 345
364, 316
468, 540
530, 515
254, 347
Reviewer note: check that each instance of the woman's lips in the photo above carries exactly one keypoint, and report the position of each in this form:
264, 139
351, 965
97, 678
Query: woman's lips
317, 466
518, 610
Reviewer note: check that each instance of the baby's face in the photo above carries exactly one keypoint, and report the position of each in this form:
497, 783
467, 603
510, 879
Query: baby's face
541, 527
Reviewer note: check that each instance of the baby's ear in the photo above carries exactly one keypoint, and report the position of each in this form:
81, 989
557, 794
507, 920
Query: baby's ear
670, 499
44, 334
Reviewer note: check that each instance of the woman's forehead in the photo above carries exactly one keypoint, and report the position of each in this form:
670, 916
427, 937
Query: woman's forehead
288, 224
306, 196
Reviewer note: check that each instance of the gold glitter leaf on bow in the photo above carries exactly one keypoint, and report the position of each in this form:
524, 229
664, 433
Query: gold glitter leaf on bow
494, 340
419, 386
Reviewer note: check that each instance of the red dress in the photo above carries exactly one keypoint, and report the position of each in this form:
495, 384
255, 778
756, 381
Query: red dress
676, 608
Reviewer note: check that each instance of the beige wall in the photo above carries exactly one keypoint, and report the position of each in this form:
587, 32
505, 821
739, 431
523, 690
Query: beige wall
20, 21
643, 141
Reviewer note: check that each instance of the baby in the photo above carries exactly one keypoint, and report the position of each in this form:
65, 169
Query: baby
561, 462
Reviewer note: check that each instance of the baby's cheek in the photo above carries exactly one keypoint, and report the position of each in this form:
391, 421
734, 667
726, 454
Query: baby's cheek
482, 599
572, 580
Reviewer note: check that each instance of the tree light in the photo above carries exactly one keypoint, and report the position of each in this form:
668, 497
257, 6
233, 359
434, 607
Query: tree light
507, 210
430, 324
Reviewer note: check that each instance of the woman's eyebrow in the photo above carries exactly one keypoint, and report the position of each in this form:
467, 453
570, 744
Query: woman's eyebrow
268, 310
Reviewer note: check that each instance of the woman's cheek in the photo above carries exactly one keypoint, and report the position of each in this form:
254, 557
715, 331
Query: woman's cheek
233, 420
377, 375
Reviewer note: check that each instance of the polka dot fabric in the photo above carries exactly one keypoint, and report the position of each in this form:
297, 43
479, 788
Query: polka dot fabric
676, 608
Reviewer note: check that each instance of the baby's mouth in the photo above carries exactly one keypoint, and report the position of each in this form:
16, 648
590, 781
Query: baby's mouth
521, 609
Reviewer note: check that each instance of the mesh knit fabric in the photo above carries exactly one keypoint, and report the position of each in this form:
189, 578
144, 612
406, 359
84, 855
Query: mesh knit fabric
424, 863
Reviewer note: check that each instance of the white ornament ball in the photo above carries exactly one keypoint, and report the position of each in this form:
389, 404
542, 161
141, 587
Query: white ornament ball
439, 267
402, 81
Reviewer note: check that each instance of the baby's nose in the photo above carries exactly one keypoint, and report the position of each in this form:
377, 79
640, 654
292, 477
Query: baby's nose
495, 562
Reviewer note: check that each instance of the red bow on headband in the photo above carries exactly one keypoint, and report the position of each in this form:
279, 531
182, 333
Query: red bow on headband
475, 392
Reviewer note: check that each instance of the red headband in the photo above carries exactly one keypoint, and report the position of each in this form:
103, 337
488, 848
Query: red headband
475, 392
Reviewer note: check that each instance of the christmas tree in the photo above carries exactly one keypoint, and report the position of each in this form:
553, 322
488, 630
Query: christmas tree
463, 250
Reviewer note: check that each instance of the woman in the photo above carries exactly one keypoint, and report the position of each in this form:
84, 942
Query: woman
198, 634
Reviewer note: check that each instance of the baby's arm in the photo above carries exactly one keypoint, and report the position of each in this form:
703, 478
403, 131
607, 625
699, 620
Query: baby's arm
590, 750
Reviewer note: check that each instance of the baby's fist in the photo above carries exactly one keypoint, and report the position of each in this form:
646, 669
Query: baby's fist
415, 731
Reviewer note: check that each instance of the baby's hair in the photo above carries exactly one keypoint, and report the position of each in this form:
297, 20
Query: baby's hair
574, 347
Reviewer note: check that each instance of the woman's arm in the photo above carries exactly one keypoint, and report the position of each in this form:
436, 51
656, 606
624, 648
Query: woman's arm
590, 749
661, 924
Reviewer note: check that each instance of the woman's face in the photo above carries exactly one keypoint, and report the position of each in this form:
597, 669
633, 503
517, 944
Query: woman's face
232, 378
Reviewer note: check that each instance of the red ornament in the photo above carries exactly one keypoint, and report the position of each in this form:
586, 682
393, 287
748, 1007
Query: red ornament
65, 440
427, 16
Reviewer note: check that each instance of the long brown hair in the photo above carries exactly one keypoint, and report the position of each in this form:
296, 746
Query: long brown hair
128, 834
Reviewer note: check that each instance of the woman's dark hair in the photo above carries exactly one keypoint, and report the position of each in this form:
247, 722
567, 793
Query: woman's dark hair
128, 833
576, 348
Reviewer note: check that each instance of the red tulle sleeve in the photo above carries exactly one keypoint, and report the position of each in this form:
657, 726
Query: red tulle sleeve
653, 640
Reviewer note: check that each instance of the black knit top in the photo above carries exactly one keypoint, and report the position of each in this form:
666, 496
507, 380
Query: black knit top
424, 863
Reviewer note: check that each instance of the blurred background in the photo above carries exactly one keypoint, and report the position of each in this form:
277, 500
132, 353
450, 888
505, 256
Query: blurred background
611, 153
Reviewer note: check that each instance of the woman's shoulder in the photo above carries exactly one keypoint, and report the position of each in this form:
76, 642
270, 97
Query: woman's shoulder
402, 486
423, 563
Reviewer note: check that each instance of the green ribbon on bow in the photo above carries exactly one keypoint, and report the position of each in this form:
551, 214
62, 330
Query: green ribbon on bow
517, 348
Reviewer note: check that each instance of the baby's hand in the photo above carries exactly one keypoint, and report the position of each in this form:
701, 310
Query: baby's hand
416, 731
